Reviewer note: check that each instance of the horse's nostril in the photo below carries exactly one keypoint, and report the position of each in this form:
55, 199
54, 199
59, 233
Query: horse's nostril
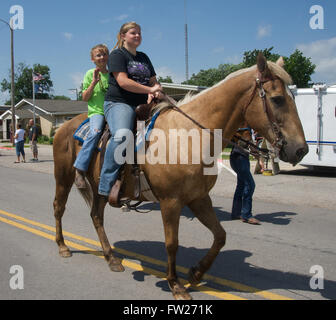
300, 153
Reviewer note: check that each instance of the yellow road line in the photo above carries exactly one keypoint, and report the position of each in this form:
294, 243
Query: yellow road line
221, 281
126, 263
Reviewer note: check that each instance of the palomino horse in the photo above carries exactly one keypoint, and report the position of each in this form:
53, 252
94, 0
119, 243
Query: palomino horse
258, 95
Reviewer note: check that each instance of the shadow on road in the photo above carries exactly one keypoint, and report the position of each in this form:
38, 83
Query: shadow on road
230, 265
279, 218
322, 172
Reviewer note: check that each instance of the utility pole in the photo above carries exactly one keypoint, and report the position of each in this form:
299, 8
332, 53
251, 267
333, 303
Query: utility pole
12, 79
186, 40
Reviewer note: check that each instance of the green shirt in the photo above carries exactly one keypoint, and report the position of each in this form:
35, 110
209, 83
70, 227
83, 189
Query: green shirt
96, 102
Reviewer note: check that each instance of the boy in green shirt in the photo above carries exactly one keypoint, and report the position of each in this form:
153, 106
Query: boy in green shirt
95, 84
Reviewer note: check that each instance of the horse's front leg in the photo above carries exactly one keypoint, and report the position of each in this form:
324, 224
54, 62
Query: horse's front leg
170, 211
203, 210
97, 215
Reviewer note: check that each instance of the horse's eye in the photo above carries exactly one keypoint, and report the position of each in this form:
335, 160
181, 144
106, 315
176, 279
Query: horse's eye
278, 100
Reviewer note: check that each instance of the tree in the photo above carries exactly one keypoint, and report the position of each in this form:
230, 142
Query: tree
212, 76
167, 79
24, 84
60, 98
250, 57
300, 68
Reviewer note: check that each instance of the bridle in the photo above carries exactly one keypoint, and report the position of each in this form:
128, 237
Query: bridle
259, 81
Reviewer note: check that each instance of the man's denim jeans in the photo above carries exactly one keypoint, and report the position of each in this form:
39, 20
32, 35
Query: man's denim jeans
242, 200
120, 118
90, 143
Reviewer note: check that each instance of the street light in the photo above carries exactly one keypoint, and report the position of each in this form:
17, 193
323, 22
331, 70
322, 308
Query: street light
12, 79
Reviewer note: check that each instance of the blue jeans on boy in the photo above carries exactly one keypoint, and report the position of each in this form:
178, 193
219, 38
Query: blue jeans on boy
242, 200
120, 118
90, 143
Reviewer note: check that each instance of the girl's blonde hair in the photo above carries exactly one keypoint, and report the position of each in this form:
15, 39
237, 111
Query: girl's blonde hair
124, 29
102, 48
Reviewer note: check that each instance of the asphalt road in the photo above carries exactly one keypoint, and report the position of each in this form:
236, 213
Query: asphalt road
273, 261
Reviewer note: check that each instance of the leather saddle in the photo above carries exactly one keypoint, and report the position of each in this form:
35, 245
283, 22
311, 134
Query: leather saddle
116, 197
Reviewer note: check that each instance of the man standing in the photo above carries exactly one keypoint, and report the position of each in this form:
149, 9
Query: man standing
240, 163
33, 133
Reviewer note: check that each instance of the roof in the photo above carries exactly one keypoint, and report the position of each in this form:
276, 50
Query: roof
3, 109
55, 107
24, 108
178, 91
19, 114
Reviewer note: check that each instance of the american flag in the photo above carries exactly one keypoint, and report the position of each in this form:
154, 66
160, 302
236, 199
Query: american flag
37, 76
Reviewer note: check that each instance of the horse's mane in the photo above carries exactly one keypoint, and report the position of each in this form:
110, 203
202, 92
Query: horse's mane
275, 69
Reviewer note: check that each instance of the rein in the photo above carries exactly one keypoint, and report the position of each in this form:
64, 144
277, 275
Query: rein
260, 151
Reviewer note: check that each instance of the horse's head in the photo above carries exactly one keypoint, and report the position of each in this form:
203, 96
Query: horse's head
271, 111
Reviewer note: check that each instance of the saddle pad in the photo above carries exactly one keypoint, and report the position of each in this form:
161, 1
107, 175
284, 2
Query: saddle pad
82, 131
139, 138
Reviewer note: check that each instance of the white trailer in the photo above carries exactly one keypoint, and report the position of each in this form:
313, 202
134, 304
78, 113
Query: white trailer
317, 111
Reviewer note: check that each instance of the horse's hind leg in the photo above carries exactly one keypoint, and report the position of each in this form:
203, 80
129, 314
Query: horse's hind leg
97, 215
61, 197
170, 211
203, 210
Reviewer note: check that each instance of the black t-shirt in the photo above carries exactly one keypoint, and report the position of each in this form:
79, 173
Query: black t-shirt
138, 68
33, 130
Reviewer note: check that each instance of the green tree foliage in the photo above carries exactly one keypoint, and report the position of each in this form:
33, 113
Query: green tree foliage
212, 76
60, 98
300, 68
250, 57
167, 79
24, 84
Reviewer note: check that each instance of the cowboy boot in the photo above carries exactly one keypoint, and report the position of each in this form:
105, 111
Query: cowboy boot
80, 179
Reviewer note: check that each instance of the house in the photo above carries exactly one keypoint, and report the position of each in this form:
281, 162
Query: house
3, 109
49, 114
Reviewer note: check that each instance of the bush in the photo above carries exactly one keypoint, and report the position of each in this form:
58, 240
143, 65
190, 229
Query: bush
42, 139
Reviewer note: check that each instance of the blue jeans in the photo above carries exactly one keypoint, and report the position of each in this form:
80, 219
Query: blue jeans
120, 118
90, 143
19, 147
242, 200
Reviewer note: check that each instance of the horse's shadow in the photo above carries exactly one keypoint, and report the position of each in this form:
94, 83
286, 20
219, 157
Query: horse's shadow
229, 264
279, 218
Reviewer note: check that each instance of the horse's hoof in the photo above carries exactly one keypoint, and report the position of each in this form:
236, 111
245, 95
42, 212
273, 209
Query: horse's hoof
116, 265
194, 276
65, 253
179, 292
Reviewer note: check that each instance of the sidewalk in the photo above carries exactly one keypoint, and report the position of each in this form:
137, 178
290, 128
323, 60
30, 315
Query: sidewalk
45, 156
46, 162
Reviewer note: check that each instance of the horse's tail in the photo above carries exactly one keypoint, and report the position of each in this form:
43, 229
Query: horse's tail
87, 194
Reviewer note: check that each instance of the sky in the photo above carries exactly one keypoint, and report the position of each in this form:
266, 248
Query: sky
61, 33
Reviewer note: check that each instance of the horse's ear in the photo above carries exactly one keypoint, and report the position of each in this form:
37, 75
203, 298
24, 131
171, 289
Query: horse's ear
261, 62
280, 62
